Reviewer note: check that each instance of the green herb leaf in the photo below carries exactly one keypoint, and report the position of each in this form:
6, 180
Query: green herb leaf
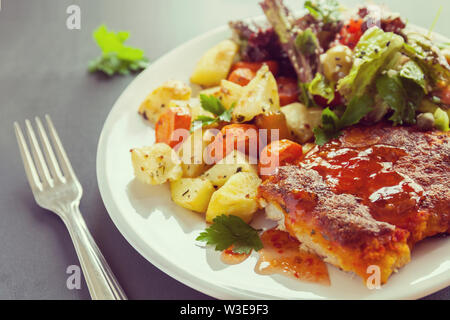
411, 70
116, 57
212, 104
320, 87
215, 106
231, 230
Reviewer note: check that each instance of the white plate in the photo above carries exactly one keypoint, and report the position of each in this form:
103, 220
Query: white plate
165, 233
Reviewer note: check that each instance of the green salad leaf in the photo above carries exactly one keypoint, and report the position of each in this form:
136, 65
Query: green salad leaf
428, 56
412, 71
332, 124
320, 87
116, 56
373, 51
324, 10
402, 95
231, 230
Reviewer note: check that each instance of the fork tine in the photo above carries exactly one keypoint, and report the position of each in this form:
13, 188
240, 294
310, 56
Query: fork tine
60, 152
37, 155
30, 169
49, 154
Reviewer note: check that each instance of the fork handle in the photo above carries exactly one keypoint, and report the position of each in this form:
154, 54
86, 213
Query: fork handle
101, 282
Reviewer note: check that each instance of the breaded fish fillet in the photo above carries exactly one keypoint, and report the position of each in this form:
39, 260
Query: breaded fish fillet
366, 198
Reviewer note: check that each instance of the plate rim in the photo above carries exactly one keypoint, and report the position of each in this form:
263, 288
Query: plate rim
174, 271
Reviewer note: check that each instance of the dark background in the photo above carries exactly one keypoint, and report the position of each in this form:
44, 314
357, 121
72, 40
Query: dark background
43, 70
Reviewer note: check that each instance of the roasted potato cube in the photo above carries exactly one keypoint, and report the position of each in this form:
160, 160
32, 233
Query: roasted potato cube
191, 154
301, 120
156, 164
233, 163
192, 194
158, 101
237, 197
228, 93
215, 65
258, 97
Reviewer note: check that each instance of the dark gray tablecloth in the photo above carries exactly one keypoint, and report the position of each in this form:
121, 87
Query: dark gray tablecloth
43, 70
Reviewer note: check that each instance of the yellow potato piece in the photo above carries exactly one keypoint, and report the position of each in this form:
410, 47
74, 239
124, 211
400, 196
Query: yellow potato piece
192, 194
258, 97
233, 163
237, 197
156, 164
158, 101
215, 65
301, 120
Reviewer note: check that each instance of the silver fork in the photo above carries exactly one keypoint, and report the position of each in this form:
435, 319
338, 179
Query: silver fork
56, 188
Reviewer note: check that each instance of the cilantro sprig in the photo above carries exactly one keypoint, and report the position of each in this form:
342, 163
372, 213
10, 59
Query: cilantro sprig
116, 56
231, 230
214, 105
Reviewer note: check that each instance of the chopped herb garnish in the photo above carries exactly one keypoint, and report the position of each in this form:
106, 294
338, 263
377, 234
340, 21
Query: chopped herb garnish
215, 106
231, 230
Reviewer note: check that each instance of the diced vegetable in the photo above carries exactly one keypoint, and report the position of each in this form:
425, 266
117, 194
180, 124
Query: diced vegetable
215, 65
287, 90
228, 93
441, 120
191, 154
172, 127
425, 121
255, 66
233, 163
237, 197
156, 164
259, 96
444, 95
337, 62
351, 33
241, 137
158, 101
301, 120
277, 154
273, 121
241, 76
373, 51
192, 194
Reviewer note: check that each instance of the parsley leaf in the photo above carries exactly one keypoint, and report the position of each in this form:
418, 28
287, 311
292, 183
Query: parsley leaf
116, 57
212, 104
231, 230
215, 106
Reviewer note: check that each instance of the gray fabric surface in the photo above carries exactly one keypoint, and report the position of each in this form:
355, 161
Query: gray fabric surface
43, 70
